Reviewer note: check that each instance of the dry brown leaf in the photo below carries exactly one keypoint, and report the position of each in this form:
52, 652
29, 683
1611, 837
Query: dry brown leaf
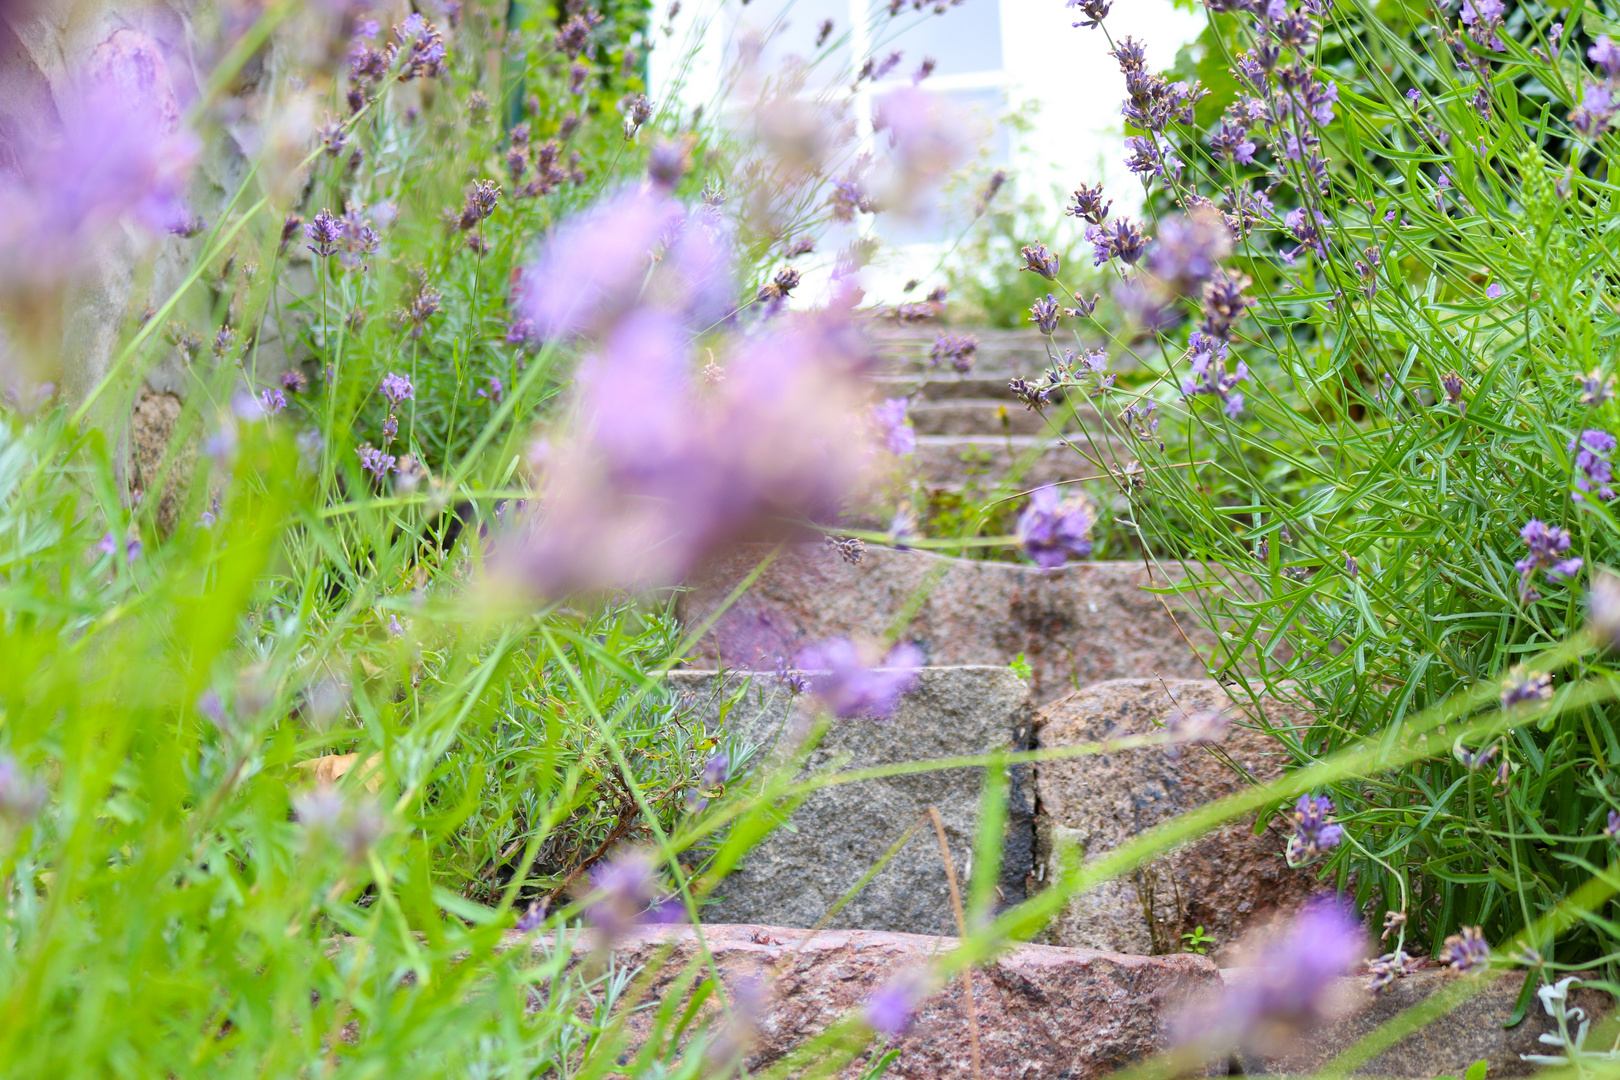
328, 769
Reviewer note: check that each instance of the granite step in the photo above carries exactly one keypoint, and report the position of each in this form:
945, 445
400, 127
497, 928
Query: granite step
1076, 625
797, 875
1039, 1011
988, 416
1228, 882
1013, 463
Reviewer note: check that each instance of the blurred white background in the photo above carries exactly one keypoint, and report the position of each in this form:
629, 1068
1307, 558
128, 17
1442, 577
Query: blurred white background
994, 59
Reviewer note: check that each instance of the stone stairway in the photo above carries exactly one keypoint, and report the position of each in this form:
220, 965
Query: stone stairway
1111, 649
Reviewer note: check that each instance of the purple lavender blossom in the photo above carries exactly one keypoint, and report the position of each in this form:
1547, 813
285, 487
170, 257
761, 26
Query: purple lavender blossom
592, 268
1612, 829
272, 400
794, 682
1546, 543
1467, 951
352, 826
1088, 204
532, 919
848, 688
1119, 238
1523, 685
626, 892
890, 1009
396, 388
1606, 55
1603, 608
21, 798
1147, 156
1045, 313
375, 462
1494, 291
1593, 470
890, 417
1094, 12
1041, 260
120, 154
1188, 250
1315, 831
1287, 986
326, 234
294, 381
716, 770
959, 349
1053, 529
1596, 388
1197, 726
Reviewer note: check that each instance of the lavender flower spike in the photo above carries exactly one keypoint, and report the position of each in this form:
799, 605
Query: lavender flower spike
1041, 260
1546, 543
890, 418
849, 688
1287, 986
396, 388
1592, 467
1052, 528
1314, 829
626, 893
891, 1007
1603, 608
1523, 685
1467, 951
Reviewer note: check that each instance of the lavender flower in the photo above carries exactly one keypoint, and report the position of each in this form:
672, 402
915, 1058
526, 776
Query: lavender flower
375, 462
482, 197
21, 798
823, 32
1603, 608
592, 269
1314, 829
1523, 685
1596, 388
1093, 12
1045, 313
848, 688
532, 919
959, 349
1593, 471
1088, 205
1546, 543
926, 142
272, 400
794, 682
1118, 239
326, 233
852, 549
1188, 250
1287, 986
1467, 951
396, 388
890, 1008
626, 893
1612, 829
1041, 260
1053, 529
890, 418
1197, 725
423, 48
353, 826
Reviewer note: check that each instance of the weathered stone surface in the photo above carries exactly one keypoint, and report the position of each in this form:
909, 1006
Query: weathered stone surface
1447, 1047
1225, 882
1075, 625
838, 834
988, 416
1025, 461
1043, 1012
152, 428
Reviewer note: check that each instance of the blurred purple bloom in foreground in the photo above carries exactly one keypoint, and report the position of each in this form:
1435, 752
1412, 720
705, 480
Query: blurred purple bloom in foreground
844, 683
890, 1008
20, 796
890, 417
593, 268
1522, 685
627, 892
1052, 528
1287, 986
1188, 250
1603, 608
661, 466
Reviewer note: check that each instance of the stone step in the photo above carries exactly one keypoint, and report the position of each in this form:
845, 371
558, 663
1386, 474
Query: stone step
1074, 626
1041, 1011
1475, 1030
797, 874
1012, 463
987, 416
1228, 881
